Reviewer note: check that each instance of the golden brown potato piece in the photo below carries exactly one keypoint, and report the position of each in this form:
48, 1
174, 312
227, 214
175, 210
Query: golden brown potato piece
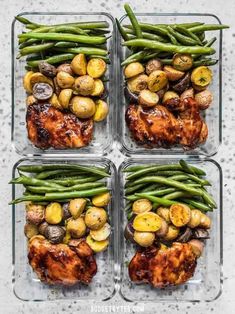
30, 230
77, 206
204, 99
147, 222
35, 214
195, 218
101, 110
95, 218
53, 213
79, 64
144, 239
153, 65
157, 80
182, 61
65, 97
164, 212
188, 93
101, 200
65, 67
84, 85
205, 221
97, 246
26, 82
147, 98
133, 69
98, 88
38, 77
137, 83
169, 95
201, 76
96, 67
54, 101
76, 227
102, 233
65, 80
82, 107
180, 214
172, 233
172, 74
142, 205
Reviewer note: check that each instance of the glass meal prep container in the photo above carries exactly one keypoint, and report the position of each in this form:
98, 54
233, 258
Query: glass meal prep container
206, 284
212, 115
26, 284
103, 131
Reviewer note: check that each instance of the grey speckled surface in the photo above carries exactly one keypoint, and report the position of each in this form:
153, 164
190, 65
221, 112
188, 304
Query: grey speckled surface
9, 304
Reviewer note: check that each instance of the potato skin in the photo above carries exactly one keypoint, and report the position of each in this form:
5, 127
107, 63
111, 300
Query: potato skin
157, 80
205, 221
101, 110
35, 214
98, 88
84, 85
133, 69
172, 74
144, 239
164, 212
102, 233
153, 65
77, 206
64, 79
79, 64
38, 77
195, 218
95, 218
65, 67
142, 205
54, 101
76, 227
147, 98
137, 83
182, 61
169, 95
161, 233
30, 230
64, 97
96, 67
188, 93
172, 233
82, 107
204, 99
197, 247
101, 200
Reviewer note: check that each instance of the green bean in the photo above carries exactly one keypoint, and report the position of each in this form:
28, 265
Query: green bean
208, 199
172, 39
36, 48
134, 188
188, 33
60, 196
79, 187
187, 25
82, 25
70, 182
150, 56
29, 42
96, 40
22, 19
177, 194
159, 29
32, 181
207, 62
207, 27
147, 35
186, 166
167, 181
185, 40
50, 173
135, 57
89, 169
65, 44
142, 170
134, 22
210, 42
52, 60
168, 47
153, 193
121, 30
196, 204
85, 50
68, 29
150, 187
155, 199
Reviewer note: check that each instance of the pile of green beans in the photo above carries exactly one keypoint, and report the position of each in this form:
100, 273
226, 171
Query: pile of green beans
167, 184
60, 182
61, 42
146, 38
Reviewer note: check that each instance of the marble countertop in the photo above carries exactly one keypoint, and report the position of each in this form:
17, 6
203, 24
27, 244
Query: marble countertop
9, 304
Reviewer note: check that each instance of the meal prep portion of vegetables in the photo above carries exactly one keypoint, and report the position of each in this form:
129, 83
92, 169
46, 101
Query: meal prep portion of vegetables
167, 208
66, 219
65, 81
168, 77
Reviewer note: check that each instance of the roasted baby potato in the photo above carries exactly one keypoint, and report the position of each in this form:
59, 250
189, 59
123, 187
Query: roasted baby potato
53, 213
77, 206
65, 80
26, 82
183, 84
161, 233
164, 212
197, 247
96, 67
82, 107
180, 214
101, 110
97, 246
55, 234
195, 218
54, 101
42, 91
79, 64
169, 95
30, 230
95, 218
133, 69
201, 76
84, 85
142, 205
205, 221
147, 222
188, 93
98, 88
101, 200
47, 69
38, 77
147, 98
172, 233
144, 239
31, 100
76, 227
65, 67
157, 80
42, 227
137, 83
65, 97
182, 61
153, 65
172, 74
35, 213
56, 87
66, 212
204, 99
102, 233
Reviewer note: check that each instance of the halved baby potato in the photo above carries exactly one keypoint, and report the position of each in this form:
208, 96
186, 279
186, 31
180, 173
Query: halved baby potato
144, 239
96, 67
54, 101
141, 206
157, 80
133, 69
172, 233
97, 246
98, 88
95, 218
195, 218
180, 214
101, 111
82, 107
201, 76
147, 98
84, 85
137, 83
101, 199
164, 212
38, 77
26, 81
65, 97
79, 64
64, 79
147, 222
102, 233
173, 74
